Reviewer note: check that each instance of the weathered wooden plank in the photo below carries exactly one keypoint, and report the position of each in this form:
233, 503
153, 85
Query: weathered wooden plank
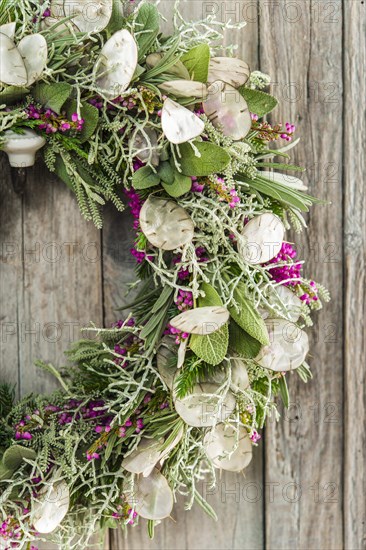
240, 513
354, 284
300, 47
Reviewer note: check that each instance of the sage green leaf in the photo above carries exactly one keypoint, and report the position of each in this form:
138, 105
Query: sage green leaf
144, 178
180, 186
5, 473
248, 317
117, 19
14, 455
242, 343
197, 61
213, 159
146, 28
258, 102
11, 94
212, 348
60, 170
53, 96
166, 172
89, 113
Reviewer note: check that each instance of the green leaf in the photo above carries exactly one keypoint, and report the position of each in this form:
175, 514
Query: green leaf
60, 170
242, 343
247, 317
147, 27
150, 528
12, 94
258, 102
213, 159
197, 61
110, 445
13, 457
53, 96
117, 19
166, 172
181, 185
89, 113
5, 473
144, 178
284, 391
212, 348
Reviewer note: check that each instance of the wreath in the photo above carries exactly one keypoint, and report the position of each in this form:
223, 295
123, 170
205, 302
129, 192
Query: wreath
182, 386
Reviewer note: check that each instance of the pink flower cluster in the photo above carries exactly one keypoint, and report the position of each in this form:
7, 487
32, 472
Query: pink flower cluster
290, 129
179, 335
184, 300
290, 270
255, 436
196, 187
201, 255
51, 122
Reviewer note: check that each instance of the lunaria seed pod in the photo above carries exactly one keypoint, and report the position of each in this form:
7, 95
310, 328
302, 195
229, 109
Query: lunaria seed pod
228, 69
201, 320
50, 507
239, 374
142, 460
151, 496
185, 88
145, 146
165, 224
204, 407
288, 348
291, 302
34, 51
12, 68
228, 449
179, 123
227, 109
262, 239
116, 64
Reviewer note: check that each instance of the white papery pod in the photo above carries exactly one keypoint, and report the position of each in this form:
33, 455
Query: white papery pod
292, 302
179, 124
87, 15
8, 29
204, 407
288, 348
142, 460
262, 239
231, 70
165, 224
145, 146
239, 374
34, 51
12, 68
167, 352
182, 350
284, 179
227, 109
50, 508
227, 449
116, 64
185, 88
201, 320
151, 497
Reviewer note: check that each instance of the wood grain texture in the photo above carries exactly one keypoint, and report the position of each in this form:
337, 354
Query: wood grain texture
300, 48
354, 271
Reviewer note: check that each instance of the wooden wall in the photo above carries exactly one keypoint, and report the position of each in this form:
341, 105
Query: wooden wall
305, 488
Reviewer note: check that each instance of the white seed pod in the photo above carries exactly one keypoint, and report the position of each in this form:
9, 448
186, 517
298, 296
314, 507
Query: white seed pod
144, 145
284, 179
12, 68
21, 148
34, 51
8, 29
179, 124
151, 496
165, 224
289, 299
51, 507
204, 407
201, 320
228, 69
239, 374
228, 449
142, 460
185, 88
227, 109
288, 348
262, 239
88, 16
116, 64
